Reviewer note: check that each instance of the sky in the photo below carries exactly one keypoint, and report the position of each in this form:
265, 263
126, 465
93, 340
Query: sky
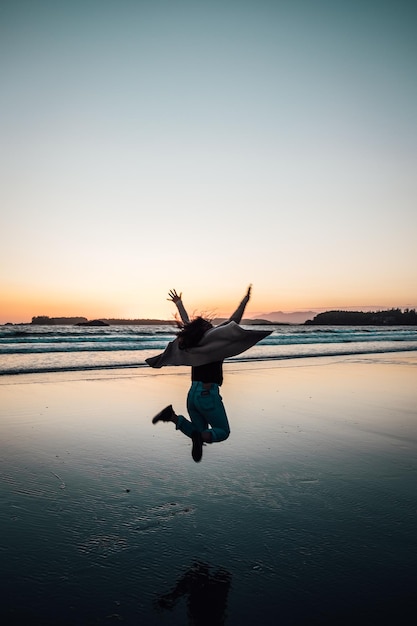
203, 146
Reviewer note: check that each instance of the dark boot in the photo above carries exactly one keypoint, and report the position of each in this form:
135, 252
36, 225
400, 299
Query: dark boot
164, 416
197, 449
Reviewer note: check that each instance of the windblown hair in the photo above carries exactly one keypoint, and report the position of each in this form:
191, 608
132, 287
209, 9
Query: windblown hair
191, 333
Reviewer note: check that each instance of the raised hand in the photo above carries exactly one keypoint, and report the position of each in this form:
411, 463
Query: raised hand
247, 296
173, 296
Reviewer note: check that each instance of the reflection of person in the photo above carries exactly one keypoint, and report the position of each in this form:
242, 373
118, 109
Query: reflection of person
204, 347
207, 595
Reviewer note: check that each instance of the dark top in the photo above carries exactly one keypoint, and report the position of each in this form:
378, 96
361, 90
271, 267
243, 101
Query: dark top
209, 373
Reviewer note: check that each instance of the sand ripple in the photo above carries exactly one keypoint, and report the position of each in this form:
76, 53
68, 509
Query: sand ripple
153, 519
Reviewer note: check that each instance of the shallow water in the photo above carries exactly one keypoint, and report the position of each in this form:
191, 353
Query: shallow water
306, 515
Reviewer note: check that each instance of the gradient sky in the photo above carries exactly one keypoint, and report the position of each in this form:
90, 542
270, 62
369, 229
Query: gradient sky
206, 145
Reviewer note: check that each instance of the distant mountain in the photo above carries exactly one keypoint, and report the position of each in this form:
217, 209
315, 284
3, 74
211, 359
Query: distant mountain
246, 321
279, 317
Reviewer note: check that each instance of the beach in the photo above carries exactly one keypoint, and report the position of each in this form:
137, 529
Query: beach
305, 515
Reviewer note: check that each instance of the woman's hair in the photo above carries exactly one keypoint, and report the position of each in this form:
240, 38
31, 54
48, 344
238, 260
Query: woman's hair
191, 333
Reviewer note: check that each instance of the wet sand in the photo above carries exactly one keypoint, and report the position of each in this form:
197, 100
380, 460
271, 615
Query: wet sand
305, 515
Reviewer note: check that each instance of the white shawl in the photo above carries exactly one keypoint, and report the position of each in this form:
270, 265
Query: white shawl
217, 344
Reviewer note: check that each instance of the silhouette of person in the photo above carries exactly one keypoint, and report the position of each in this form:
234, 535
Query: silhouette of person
204, 347
206, 594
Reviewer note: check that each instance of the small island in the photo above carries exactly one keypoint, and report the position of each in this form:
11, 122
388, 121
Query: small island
45, 320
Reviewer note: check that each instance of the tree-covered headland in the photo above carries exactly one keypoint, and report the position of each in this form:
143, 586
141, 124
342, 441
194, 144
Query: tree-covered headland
391, 317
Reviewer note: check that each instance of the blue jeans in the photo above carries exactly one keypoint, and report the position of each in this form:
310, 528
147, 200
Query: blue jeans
205, 407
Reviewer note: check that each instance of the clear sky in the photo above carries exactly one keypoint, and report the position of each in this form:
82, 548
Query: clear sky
206, 145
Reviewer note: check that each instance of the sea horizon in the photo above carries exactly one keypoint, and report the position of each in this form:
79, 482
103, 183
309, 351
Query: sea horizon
297, 316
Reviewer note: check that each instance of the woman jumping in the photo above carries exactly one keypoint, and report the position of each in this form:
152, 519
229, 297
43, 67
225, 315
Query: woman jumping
203, 346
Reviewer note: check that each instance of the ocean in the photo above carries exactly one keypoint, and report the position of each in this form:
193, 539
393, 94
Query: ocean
35, 349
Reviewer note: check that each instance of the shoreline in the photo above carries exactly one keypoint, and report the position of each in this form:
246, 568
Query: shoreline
140, 370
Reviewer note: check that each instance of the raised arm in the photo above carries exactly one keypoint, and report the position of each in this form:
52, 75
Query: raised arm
237, 315
176, 299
